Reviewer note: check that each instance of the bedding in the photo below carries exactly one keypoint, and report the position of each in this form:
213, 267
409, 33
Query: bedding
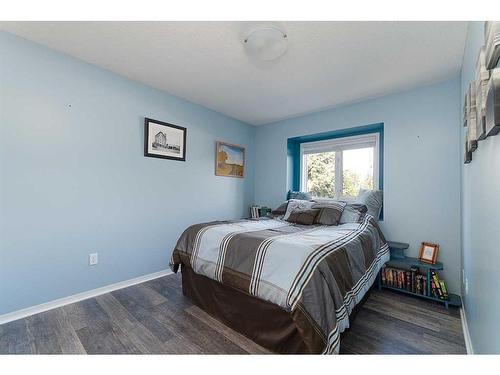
314, 273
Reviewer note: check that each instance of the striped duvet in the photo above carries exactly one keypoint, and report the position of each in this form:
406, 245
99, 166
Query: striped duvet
316, 273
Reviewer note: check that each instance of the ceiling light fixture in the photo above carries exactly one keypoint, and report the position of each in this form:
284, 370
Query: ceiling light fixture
266, 44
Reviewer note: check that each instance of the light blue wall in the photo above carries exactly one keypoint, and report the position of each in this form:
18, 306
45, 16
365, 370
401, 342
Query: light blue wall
481, 223
421, 164
73, 180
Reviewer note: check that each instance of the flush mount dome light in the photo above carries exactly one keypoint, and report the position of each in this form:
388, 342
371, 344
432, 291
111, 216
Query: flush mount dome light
266, 44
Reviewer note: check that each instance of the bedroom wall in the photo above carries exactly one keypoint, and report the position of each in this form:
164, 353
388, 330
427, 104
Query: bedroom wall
421, 164
74, 179
481, 188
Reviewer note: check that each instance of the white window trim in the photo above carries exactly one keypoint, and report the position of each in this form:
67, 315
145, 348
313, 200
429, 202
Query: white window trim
340, 144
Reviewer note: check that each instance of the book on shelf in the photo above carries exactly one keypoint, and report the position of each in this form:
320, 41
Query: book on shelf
259, 211
254, 212
437, 285
433, 289
414, 272
414, 282
423, 285
382, 276
444, 288
419, 289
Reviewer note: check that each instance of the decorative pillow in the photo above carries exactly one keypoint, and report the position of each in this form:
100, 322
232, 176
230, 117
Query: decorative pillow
299, 195
306, 217
330, 212
297, 205
373, 200
352, 213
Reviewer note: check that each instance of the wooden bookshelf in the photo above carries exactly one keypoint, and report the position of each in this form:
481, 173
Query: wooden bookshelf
400, 261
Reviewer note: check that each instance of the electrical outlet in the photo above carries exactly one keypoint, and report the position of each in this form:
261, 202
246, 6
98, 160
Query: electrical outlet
466, 286
93, 259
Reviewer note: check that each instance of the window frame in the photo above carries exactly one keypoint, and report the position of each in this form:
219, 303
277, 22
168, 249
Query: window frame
336, 145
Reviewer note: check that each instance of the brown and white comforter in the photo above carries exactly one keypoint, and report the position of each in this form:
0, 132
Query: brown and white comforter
316, 273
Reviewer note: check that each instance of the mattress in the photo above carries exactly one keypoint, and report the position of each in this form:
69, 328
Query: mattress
315, 274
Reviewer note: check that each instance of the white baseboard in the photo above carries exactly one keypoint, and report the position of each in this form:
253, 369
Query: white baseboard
9, 317
465, 328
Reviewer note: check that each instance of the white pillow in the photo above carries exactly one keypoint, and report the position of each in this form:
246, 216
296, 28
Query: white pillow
297, 205
352, 212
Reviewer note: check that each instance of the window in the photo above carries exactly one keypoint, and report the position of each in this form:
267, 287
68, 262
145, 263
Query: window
339, 168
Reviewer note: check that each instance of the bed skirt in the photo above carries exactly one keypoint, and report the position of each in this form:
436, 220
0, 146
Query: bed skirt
263, 322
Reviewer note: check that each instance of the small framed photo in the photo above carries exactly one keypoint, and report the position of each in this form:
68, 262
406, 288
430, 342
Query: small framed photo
428, 252
164, 140
229, 160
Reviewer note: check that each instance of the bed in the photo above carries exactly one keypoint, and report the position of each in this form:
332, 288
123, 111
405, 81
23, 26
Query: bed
289, 287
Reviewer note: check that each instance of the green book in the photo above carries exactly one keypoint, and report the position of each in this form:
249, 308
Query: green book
443, 288
437, 286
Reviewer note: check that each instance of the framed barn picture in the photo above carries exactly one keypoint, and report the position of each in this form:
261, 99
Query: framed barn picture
164, 140
229, 160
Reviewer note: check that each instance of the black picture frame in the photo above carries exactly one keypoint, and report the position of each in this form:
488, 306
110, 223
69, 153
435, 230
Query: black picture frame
147, 150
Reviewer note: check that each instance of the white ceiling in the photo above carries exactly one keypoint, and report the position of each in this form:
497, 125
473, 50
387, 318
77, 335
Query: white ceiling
327, 64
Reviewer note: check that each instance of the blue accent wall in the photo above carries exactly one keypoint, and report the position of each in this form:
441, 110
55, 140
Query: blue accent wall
293, 147
421, 163
73, 178
480, 222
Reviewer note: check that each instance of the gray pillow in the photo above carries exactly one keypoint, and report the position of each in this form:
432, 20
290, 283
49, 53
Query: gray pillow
306, 217
373, 200
330, 212
352, 213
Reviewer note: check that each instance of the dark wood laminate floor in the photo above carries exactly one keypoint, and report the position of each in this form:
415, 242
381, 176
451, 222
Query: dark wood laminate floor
154, 317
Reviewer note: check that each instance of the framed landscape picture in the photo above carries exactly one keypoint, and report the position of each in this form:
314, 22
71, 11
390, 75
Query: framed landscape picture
229, 160
164, 140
